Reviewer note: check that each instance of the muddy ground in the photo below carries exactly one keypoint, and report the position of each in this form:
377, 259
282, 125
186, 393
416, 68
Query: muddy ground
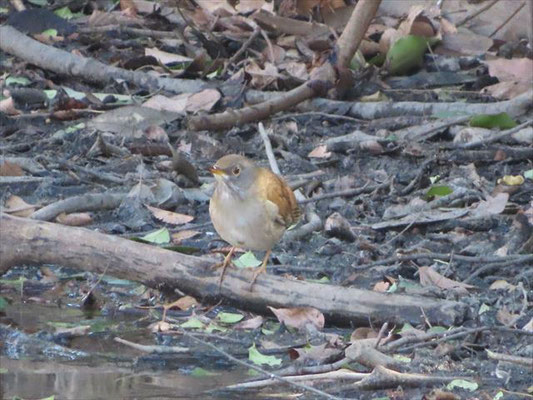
58, 340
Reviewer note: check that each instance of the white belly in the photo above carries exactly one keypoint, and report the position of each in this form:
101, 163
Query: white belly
245, 224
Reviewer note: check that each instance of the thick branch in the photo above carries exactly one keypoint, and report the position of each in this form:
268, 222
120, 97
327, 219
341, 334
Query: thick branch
26, 241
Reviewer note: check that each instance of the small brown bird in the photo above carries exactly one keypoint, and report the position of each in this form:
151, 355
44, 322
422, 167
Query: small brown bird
251, 207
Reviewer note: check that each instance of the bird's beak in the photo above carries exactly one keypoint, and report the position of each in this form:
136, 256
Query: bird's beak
217, 171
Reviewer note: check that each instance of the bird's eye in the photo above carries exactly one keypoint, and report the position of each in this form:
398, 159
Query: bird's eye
236, 171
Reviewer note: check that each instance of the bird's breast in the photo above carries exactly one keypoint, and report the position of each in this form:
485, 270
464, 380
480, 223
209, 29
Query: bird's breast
244, 223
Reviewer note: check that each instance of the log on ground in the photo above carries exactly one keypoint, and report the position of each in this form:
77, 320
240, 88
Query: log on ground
26, 241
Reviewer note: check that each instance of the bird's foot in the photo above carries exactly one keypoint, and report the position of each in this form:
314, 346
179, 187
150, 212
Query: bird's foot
260, 270
224, 265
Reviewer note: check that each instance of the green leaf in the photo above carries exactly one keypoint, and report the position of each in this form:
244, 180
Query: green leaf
528, 174
40, 3
260, 359
3, 303
202, 373
462, 384
393, 288
247, 260
193, 323
406, 327
212, 327
406, 54
401, 358
65, 13
50, 93
49, 32
4, 10
438, 190
160, 236
229, 318
434, 179
52, 397
489, 121
324, 279
498, 396
483, 309
3, 371
437, 329
17, 80
267, 332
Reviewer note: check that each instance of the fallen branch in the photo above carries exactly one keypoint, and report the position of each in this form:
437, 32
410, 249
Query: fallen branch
26, 241
350, 39
64, 63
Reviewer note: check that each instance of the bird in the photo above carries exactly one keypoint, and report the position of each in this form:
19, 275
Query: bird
251, 207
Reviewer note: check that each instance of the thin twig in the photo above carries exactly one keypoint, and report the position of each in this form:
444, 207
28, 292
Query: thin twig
494, 138
153, 348
476, 13
243, 48
268, 149
446, 257
347, 192
261, 370
507, 20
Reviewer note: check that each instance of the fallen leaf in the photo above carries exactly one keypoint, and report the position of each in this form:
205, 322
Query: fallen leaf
512, 180
185, 302
492, 206
8, 106
260, 359
381, 287
252, 323
74, 219
430, 277
175, 104
159, 326
156, 134
299, 317
502, 284
180, 236
170, 217
203, 101
16, 206
320, 152
10, 169
514, 69
363, 333
321, 354
164, 57
505, 317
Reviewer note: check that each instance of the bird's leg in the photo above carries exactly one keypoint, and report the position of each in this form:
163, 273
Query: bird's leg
224, 265
261, 269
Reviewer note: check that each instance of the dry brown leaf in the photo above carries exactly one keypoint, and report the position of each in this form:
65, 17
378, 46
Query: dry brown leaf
169, 217
74, 219
320, 152
156, 134
381, 286
502, 284
430, 277
10, 169
8, 106
251, 323
159, 326
297, 70
203, 101
363, 333
274, 54
492, 206
320, 354
515, 69
262, 77
180, 236
505, 317
417, 23
175, 104
464, 42
18, 207
185, 303
165, 57
506, 90
299, 317
128, 8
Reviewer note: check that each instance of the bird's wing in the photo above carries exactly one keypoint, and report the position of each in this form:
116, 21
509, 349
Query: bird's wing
274, 189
